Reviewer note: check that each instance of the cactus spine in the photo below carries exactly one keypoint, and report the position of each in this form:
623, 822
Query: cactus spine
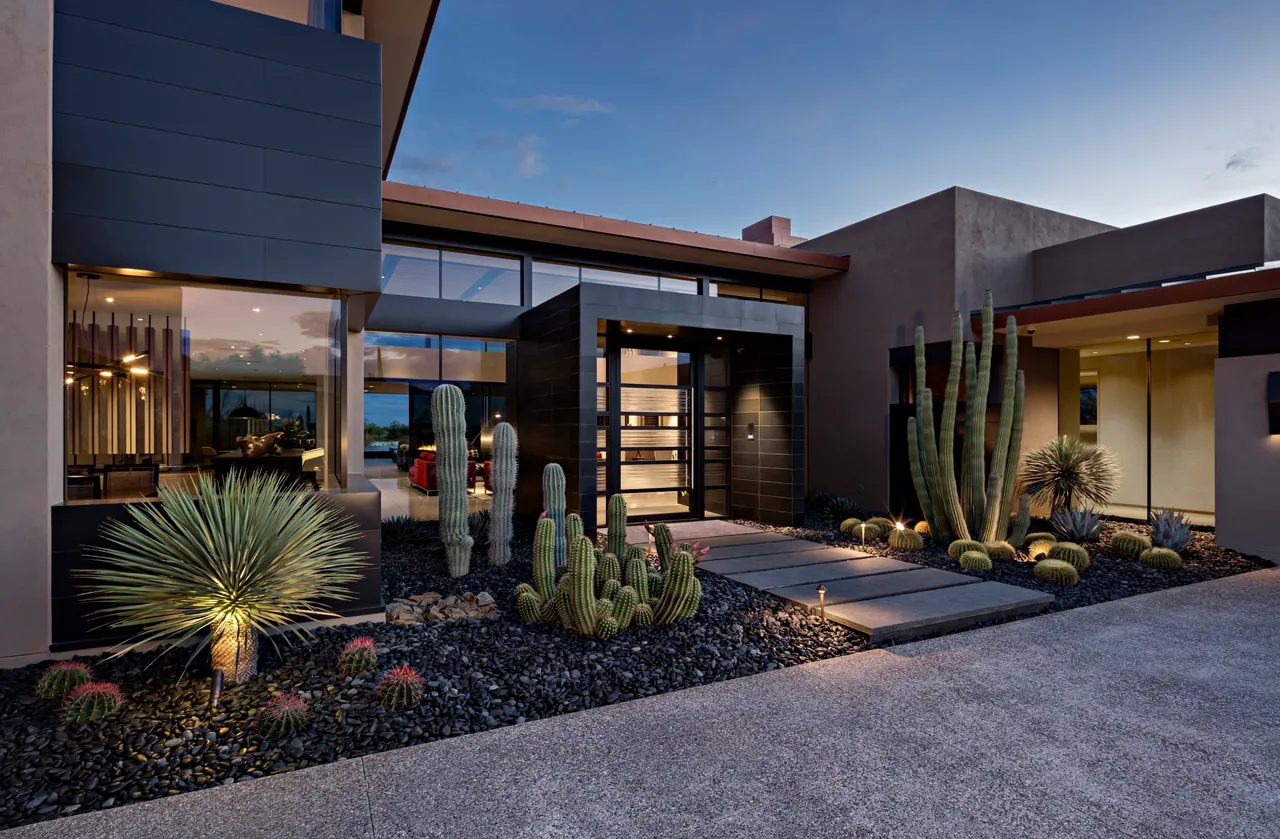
448, 418
979, 505
616, 518
502, 483
553, 503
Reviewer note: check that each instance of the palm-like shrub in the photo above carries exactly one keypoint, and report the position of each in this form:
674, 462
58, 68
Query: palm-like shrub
1082, 525
244, 557
1068, 471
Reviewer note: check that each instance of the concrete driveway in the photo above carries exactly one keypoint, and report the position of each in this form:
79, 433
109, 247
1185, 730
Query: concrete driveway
1149, 717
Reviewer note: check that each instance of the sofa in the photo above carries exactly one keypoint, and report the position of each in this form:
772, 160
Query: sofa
422, 473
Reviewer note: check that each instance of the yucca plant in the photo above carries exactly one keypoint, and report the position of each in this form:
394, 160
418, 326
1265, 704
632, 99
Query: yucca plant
1068, 471
401, 531
240, 558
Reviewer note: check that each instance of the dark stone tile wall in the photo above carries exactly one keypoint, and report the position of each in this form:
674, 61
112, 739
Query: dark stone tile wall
555, 408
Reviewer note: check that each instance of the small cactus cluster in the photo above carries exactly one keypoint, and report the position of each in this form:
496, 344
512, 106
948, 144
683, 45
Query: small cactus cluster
91, 702
1129, 545
922, 527
400, 687
1160, 558
975, 561
358, 656
1057, 572
285, 714
999, 551
60, 679
960, 547
1083, 525
1170, 529
905, 540
602, 594
1072, 554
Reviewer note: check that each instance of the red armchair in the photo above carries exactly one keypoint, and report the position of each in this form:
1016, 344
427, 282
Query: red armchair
422, 472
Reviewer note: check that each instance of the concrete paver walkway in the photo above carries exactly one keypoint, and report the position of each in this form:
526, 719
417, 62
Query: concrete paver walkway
1151, 717
887, 599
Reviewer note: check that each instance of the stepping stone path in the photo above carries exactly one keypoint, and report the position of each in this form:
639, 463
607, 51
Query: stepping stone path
886, 599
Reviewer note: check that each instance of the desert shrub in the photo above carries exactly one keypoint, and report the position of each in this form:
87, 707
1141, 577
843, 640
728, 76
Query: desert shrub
1068, 471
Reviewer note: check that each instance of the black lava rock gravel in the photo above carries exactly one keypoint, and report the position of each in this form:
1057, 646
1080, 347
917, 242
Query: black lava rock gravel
167, 740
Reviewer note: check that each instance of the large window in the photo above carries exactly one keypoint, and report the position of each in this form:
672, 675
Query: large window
452, 275
162, 377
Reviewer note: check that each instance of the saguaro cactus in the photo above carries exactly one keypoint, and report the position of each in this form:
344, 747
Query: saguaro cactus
979, 506
616, 521
535, 602
502, 483
448, 418
553, 503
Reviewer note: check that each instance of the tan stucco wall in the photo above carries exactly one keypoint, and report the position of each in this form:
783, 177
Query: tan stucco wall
1248, 459
31, 341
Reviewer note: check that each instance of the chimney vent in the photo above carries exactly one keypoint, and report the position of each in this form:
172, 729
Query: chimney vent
774, 230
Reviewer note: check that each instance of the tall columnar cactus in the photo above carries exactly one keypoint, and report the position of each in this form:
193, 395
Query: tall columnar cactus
1022, 523
608, 568
535, 602
636, 573
502, 483
616, 518
553, 503
680, 590
979, 504
448, 418
662, 541
572, 533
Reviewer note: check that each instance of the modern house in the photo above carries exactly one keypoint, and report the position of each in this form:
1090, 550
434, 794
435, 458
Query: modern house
200, 245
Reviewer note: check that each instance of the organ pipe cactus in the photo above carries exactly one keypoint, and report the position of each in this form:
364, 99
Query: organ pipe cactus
572, 532
637, 572
662, 541
553, 503
608, 568
679, 588
502, 483
1021, 521
534, 602
448, 418
616, 522
980, 505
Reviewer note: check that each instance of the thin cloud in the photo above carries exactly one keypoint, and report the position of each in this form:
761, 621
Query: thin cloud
562, 104
428, 164
529, 161
1242, 161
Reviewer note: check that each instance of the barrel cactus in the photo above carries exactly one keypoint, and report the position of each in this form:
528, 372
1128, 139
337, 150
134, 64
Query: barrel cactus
449, 419
1041, 537
1160, 558
850, 526
60, 679
905, 540
922, 527
999, 551
91, 702
553, 503
1057, 572
882, 524
400, 687
1170, 529
1071, 553
962, 546
1037, 548
502, 483
358, 656
284, 715
616, 524
1129, 545
975, 561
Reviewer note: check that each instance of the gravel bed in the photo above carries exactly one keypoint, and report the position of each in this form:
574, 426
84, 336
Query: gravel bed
1108, 578
480, 675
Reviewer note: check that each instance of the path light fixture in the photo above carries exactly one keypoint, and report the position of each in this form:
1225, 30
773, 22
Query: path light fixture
822, 601
215, 693
864, 534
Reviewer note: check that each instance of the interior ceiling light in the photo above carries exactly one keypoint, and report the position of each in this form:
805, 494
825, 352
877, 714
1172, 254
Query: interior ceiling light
1133, 337
719, 337
1163, 341
106, 374
256, 309
70, 380
669, 336
139, 371
111, 300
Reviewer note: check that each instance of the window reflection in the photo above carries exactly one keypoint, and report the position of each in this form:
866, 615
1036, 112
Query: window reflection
619, 278
479, 278
552, 278
410, 271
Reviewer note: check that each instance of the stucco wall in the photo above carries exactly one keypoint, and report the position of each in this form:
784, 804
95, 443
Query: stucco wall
31, 310
1247, 468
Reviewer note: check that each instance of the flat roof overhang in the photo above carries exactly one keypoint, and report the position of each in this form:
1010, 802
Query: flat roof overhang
1262, 282
403, 28
474, 214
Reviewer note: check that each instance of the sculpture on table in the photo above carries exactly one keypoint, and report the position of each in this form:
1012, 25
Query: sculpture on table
252, 446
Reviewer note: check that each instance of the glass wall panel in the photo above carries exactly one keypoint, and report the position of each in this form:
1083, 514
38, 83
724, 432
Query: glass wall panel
471, 360
552, 278
619, 278
397, 355
678, 285
479, 277
655, 367
1182, 435
745, 292
410, 271
161, 377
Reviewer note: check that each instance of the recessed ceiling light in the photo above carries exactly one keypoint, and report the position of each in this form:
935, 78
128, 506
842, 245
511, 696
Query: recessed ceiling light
1187, 343
1095, 352
139, 318
719, 337
111, 300
256, 309
629, 331
669, 336
106, 374
1163, 341
1133, 337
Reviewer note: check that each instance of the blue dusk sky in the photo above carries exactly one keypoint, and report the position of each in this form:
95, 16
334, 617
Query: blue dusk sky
709, 114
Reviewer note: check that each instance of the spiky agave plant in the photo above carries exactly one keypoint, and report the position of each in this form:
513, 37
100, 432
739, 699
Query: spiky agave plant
1067, 471
240, 558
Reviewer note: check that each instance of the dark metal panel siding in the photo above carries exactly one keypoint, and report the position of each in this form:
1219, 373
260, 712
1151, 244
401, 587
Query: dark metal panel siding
197, 138
399, 313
